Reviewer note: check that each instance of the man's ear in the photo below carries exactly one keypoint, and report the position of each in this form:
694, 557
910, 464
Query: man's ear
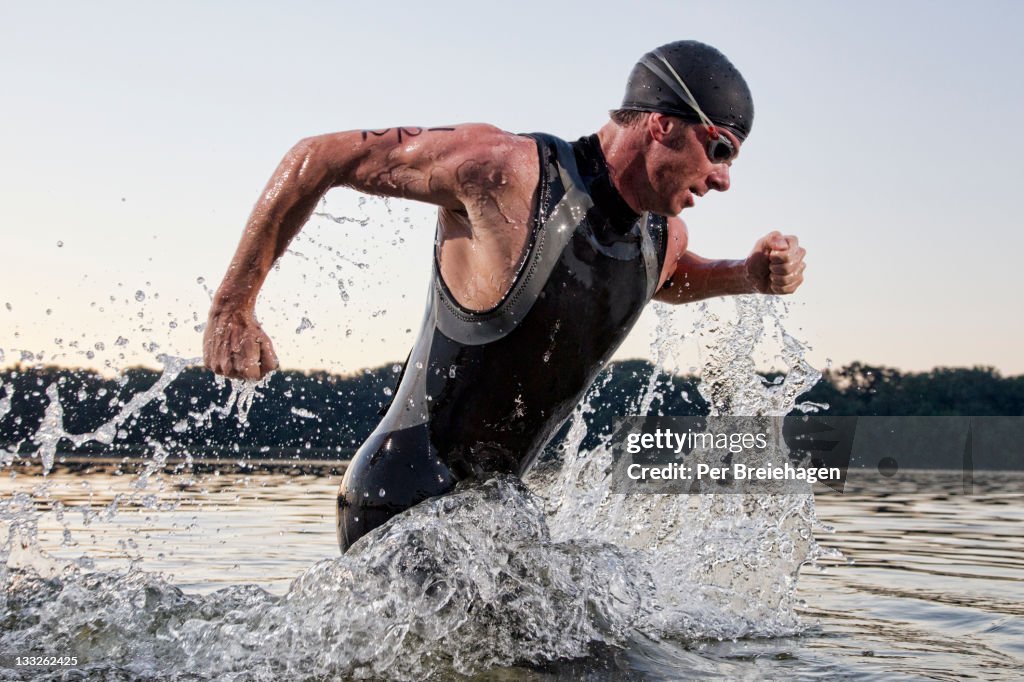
663, 128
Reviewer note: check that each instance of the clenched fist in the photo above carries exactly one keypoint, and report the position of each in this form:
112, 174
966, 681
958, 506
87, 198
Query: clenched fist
776, 265
235, 346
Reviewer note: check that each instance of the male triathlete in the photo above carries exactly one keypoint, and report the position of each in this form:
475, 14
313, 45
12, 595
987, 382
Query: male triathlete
547, 252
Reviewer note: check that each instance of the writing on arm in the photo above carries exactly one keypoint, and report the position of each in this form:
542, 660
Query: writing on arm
409, 132
451, 166
457, 167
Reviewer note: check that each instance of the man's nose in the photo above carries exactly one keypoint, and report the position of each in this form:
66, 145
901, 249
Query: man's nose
719, 178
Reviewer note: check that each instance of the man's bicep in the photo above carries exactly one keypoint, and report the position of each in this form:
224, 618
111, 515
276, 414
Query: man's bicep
438, 165
677, 242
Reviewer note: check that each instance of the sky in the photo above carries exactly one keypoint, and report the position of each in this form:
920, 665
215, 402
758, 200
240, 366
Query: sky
136, 138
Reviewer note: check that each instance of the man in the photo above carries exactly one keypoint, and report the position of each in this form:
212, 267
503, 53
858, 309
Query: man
546, 255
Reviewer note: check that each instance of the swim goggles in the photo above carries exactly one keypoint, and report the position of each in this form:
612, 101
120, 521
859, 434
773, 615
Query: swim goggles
719, 148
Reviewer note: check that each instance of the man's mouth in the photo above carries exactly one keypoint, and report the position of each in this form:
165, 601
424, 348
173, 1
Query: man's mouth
692, 193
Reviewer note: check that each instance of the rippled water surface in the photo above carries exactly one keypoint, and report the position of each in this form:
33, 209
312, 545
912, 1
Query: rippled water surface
151, 569
929, 585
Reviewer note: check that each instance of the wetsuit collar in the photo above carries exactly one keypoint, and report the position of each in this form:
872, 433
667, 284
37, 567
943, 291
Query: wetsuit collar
593, 166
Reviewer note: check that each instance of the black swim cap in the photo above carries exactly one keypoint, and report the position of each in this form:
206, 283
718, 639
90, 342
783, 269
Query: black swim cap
714, 82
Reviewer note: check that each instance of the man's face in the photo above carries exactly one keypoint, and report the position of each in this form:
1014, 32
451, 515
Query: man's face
680, 170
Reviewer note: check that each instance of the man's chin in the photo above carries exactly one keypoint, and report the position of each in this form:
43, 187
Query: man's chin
669, 210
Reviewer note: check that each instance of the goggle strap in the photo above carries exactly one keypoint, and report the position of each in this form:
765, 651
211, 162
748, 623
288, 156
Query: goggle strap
683, 94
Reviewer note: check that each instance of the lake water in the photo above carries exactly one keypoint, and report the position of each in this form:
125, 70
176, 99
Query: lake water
929, 585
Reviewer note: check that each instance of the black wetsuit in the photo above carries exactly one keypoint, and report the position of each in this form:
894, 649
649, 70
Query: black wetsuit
482, 392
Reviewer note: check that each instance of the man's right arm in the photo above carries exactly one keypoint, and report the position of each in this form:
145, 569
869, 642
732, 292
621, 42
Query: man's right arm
451, 167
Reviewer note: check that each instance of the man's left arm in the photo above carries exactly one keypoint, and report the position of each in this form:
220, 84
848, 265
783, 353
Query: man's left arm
774, 266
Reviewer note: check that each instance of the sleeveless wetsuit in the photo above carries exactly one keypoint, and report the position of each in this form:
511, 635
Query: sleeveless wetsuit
483, 392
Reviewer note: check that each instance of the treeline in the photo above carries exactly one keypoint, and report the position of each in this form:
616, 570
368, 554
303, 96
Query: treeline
864, 390
320, 415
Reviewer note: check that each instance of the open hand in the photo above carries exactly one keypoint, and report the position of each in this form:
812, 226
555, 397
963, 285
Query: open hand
235, 346
776, 265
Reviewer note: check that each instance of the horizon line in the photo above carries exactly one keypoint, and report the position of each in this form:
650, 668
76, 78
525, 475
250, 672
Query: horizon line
18, 366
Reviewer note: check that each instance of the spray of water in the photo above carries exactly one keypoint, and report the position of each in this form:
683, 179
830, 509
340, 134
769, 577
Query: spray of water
498, 573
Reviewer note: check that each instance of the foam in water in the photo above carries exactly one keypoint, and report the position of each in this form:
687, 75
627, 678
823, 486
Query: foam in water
498, 573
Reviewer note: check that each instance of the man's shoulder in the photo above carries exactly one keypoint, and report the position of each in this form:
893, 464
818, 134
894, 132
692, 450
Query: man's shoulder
490, 158
483, 134
488, 139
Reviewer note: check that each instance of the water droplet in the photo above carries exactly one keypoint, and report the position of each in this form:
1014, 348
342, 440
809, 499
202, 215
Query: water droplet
381, 492
200, 280
60, 244
140, 296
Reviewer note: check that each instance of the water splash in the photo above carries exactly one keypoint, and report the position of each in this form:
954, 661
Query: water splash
730, 381
51, 431
499, 573
417, 597
663, 346
240, 400
723, 566
5, 402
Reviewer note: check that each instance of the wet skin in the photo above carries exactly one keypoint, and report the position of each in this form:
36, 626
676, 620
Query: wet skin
486, 183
